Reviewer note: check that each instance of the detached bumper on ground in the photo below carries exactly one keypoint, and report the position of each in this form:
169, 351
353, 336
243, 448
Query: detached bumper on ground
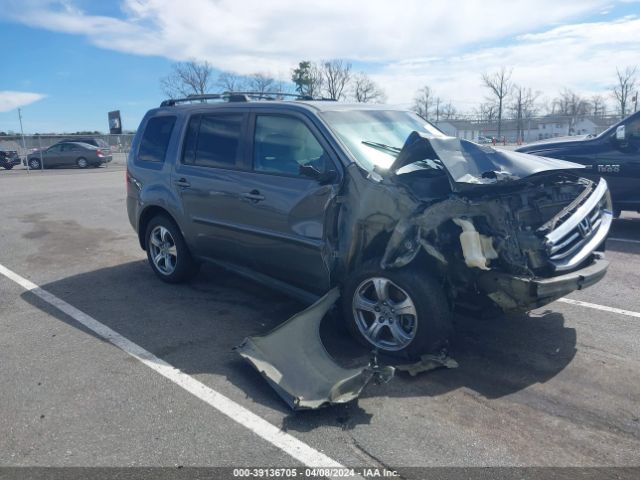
521, 293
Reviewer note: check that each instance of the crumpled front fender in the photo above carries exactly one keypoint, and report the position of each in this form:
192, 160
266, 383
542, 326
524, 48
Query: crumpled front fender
294, 361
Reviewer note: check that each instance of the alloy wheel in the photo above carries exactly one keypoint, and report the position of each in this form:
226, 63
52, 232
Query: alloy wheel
385, 314
163, 250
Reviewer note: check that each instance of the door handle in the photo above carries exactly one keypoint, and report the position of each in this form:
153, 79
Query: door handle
183, 182
253, 195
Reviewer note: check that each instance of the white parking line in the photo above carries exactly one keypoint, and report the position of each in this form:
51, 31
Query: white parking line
627, 240
603, 308
297, 449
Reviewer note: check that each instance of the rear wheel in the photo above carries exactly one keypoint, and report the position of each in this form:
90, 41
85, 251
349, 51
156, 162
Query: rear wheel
403, 311
167, 251
82, 162
8, 167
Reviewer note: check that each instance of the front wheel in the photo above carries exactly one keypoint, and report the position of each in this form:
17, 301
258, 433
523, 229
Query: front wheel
400, 312
34, 163
167, 251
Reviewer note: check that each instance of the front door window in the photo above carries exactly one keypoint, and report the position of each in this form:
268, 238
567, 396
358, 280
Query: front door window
284, 144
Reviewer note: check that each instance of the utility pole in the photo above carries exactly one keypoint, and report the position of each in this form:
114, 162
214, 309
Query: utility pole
24, 145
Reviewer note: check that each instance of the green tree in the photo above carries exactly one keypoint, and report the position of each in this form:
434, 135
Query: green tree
301, 77
308, 79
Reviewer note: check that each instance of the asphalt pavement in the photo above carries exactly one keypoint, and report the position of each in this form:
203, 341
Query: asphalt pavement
557, 387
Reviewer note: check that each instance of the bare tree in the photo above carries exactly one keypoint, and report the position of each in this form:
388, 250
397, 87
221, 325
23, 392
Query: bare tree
187, 78
316, 81
448, 111
231, 82
499, 84
262, 83
486, 112
570, 104
337, 75
423, 102
598, 106
624, 88
366, 90
522, 107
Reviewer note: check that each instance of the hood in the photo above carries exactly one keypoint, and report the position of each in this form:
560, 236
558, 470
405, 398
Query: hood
469, 165
554, 142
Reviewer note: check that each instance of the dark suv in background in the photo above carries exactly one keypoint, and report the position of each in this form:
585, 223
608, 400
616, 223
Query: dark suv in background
306, 196
613, 154
8, 158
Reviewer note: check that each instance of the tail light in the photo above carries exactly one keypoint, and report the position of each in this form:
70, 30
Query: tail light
99, 153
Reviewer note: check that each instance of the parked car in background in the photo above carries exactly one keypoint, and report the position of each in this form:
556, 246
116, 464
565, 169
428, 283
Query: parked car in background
69, 154
614, 154
406, 222
96, 142
484, 140
8, 158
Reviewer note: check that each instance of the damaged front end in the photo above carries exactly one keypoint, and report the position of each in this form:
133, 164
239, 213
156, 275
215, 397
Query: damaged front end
519, 229
516, 229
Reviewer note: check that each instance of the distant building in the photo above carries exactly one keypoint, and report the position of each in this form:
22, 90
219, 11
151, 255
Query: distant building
533, 129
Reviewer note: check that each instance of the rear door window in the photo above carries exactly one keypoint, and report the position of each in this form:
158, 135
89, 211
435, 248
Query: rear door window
70, 147
155, 139
214, 140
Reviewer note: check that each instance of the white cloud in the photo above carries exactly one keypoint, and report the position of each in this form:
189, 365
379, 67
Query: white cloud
10, 100
255, 34
441, 43
582, 57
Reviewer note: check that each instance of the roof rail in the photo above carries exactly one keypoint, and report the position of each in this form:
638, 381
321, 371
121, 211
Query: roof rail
234, 97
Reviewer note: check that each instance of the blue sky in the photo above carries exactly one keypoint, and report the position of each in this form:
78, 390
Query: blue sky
72, 61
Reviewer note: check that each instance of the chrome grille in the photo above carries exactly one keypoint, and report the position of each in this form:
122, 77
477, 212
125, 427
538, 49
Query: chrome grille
576, 238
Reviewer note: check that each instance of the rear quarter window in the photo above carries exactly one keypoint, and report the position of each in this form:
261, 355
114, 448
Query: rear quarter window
155, 139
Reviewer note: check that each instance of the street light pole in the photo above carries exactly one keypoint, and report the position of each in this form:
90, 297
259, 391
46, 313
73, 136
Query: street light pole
24, 145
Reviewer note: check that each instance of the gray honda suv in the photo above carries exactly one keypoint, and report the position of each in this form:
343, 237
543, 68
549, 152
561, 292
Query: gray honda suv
407, 222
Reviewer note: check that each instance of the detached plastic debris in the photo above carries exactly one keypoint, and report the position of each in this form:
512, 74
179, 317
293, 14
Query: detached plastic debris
295, 363
428, 362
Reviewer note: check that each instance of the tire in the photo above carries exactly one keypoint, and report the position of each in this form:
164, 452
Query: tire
34, 163
8, 167
424, 328
167, 251
82, 162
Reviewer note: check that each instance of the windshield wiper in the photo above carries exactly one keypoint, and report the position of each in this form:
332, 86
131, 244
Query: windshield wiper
381, 146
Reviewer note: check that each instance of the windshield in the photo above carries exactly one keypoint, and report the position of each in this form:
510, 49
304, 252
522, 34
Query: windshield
375, 137
625, 121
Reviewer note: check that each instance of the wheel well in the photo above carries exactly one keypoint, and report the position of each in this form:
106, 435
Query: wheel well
146, 216
375, 248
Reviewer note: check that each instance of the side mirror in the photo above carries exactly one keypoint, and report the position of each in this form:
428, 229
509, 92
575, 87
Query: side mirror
327, 177
620, 133
321, 177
